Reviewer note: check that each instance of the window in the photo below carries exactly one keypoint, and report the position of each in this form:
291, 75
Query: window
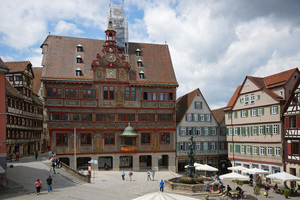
248, 149
77, 117
223, 131
269, 151
242, 149
246, 99
205, 131
79, 48
198, 105
292, 121
277, 151
257, 97
105, 117
71, 93
252, 98
237, 148
198, 131
230, 131
261, 130
197, 146
126, 117
56, 116
205, 146
213, 131
235, 130
274, 110
261, 150
138, 52
196, 117
183, 131
244, 113
254, 130
213, 145
79, 59
281, 93
54, 92
87, 117
86, 138
165, 138
145, 138
260, 111
254, 150
254, 112
139, 63
275, 129
89, 94
108, 93
130, 94
146, 117
61, 139
207, 117
166, 96
149, 96
142, 76
109, 138
267, 129
190, 131
189, 117
165, 117
235, 114
295, 148
202, 117
242, 100
182, 146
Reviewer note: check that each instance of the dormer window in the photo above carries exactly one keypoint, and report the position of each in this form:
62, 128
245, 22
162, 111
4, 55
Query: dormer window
79, 72
142, 75
79, 48
140, 63
138, 52
79, 59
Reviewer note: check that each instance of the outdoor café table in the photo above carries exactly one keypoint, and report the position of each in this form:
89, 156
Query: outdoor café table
234, 193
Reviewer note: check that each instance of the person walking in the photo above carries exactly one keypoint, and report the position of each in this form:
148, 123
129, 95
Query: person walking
267, 188
130, 174
161, 185
123, 175
38, 185
148, 175
153, 174
36, 154
49, 183
17, 156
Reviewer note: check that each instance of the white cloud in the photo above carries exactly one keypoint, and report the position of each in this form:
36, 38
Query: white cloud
64, 28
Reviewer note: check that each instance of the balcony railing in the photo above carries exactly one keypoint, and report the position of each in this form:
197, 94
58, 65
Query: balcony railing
128, 148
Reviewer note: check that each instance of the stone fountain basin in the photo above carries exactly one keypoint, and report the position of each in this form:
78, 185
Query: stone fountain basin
191, 188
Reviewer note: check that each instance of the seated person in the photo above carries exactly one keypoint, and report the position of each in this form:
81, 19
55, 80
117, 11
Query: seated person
207, 188
228, 189
240, 190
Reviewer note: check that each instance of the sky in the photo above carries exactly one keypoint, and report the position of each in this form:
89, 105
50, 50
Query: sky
214, 44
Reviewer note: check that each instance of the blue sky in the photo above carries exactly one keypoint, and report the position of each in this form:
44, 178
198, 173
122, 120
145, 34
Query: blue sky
214, 44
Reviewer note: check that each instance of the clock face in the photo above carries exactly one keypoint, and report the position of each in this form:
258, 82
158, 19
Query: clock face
110, 73
110, 57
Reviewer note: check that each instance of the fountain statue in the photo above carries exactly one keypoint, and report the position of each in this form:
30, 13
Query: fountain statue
190, 171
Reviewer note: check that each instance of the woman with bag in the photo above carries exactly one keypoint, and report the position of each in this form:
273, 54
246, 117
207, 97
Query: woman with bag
38, 185
267, 188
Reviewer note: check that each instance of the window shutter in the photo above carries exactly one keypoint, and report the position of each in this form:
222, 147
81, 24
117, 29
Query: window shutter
246, 113
179, 131
298, 121
289, 148
192, 117
286, 122
257, 150
245, 148
199, 117
202, 131
209, 130
271, 129
209, 147
192, 130
270, 110
185, 116
281, 152
265, 149
231, 147
241, 113
217, 131
227, 131
238, 130
194, 145
264, 130
273, 151
277, 109
201, 145
178, 146
263, 110
186, 131
251, 130
251, 149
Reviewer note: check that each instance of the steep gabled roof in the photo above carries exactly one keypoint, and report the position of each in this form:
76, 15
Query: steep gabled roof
3, 65
219, 114
37, 79
17, 66
10, 90
291, 97
60, 60
265, 84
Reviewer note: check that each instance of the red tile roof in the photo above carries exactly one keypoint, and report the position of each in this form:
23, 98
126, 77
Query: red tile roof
10, 90
60, 60
219, 114
279, 78
233, 98
37, 81
18, 66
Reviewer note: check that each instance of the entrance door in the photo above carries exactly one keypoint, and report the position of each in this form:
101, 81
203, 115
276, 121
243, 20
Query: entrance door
125, 161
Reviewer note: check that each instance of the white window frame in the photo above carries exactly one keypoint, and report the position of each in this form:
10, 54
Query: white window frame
244, 113
230, 131
181, 147
198, 105
274, 110
252, 98
261, 150
205, 146
235, 130
205, 131
213, 145
242, 148
242, 100
281, 93
275, 128
246, 130
213, 131
208, 117
246, 102
197, 146
202, 117
189, 117
190, 131
253, 112
269, 151
248, 148
196, 117
183, 132
254, 130
198, 131
261, 130
259, 111
254, 150
277, 151
267, 129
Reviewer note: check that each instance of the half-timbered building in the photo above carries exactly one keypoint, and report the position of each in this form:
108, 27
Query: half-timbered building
108, 106
254, 127
291, 133
24, 119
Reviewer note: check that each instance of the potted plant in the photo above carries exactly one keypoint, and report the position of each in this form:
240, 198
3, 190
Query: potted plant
256, 191
286, 193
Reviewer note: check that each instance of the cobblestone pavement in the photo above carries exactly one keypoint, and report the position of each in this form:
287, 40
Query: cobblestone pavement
104, 185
